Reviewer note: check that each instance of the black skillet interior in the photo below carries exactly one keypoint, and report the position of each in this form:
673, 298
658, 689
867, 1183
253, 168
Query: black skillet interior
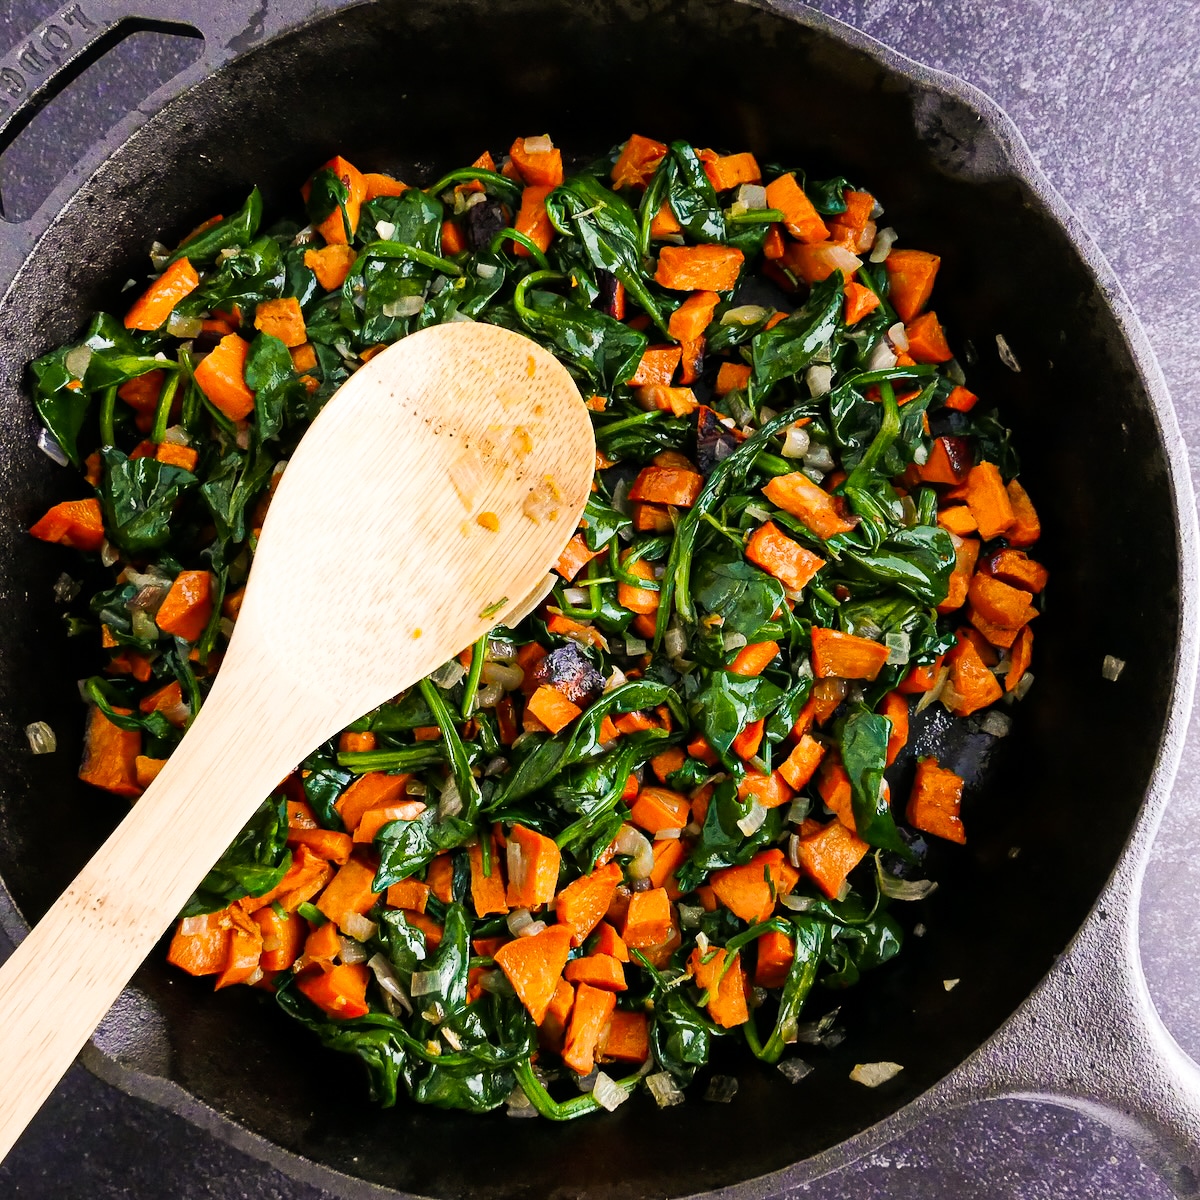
418, 88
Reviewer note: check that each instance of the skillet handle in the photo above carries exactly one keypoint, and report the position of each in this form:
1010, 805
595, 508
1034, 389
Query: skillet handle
1091, 1039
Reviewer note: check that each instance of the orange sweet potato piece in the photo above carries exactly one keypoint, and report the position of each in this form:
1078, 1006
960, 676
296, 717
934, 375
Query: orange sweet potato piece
974, 686
895, 708
801, 765
779, 555
707, 268
800, 218
668, 762
637, 162
221, 376
187, 607
331, 264
75, 523
608, 941
282, 938
637, 599
749, 890
331, 845
581, 905
340, 992
552, 708
647, 920
829, 854
1021, 656
409, 893
626, 1038
656, 366
658, 808
245, 949
958, 520
966, 554
533, 220
727, 171
746, 744
204, 951
989, 501
845, 656
727, 999
669, 853
754, 658
815, 507
769, 790
158, 301
664, 223
487, 891
110, 755
542, 168
910, 280
731, 377
1000, 603
552, 1028
926, 341
1026, 528
307, 875
371, 790
349, 891
589, 1016
859, 302
333, 228
533, 966
775, 954
597, 970
1015, 567
575, 556
282, 319
533, 862
667, 485
935, 800
689, 321
176, 456
381, 185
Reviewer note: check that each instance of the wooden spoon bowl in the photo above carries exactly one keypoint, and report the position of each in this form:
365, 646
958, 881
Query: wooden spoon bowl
425, 504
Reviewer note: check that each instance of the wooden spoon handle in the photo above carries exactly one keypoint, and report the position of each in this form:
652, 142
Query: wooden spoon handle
65, 975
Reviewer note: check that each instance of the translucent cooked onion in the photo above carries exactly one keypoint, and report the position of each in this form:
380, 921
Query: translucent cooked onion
486, 270
885, 239
752, 822
997, 724
386, 230
353, 951
634, 843
41, 738
533, 929
448, 674
424, 982
745, 314
184, 327
501, 650
796, 903
388, 981
607, 1094
489, 696
733, 641
675, 642
935, 692
721, 1089
403, 306
881, 357
48, 445
1111, 667
751, 196
873, 1074
359, 927
1007, 357
616, 678
518, 919
794, 1069
662, 1088
897, 336
634, 647
820, 457
575, 596
539, 145
899, 648
797, 442
449, 802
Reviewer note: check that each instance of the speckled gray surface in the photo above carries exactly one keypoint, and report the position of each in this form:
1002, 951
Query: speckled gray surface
1108, 97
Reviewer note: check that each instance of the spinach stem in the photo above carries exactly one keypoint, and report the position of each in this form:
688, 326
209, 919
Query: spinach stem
108, 405
471, 688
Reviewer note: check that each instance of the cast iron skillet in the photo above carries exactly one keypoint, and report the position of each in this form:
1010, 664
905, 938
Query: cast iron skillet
1037, 917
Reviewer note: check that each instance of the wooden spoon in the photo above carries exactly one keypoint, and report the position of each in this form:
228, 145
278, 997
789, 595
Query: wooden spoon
428, 500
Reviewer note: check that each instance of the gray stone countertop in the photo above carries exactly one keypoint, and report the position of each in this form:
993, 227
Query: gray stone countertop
1108, 97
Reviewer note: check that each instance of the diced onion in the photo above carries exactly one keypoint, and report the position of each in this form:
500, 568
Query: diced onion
885, 239
897, 336
448, 674
753, 820
486, 270
794, 850
950, 984
533, 929
761, 514
905, 889
518, 1104
144, 628
388, 982
955, 373
449, 802
1111, 667
359, 927
615, 679
607, 1094
662, 1088
634, 647
751, 195
403, 306
919, 929
881, 357
505, 676
794, 1069
415, 787
424, 982
796, 903
633, 842
873, 1074
539, 145
575, 596
190, 926
109, 556
733, 641
675, 642
820, 457
997, 724
489, 696
1007, 357
518, 919
721, 1089
745, 314
176, 435
798, 810
47, 443
667, 835
899, 647
159, 255
353, 951
690, 916
1022, 688
934, 692
501, 650
386, 230
184, 327
797, 442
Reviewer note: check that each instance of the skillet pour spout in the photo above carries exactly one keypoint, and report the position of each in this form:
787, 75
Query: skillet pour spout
1051, 1001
